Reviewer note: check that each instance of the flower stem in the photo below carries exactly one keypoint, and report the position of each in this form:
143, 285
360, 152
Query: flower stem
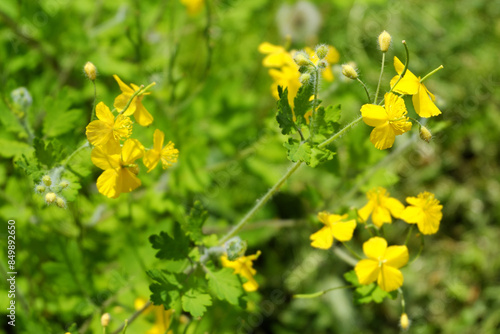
379, 78
351, 251
68, 159
404, 70
366, 89
134, 316
431, 73
140, 91
420, 249
321, 293
315, 103
340, 133
409, 234
92, 117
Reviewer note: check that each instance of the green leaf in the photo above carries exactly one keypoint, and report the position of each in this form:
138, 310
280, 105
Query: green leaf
326, 122
312, 156
225, 284
12, 148
171, 248
302, 103
59, 119
166, 278
47, 152
194, 223
31, 166
164, 295
364, 294
284, 115
195, 302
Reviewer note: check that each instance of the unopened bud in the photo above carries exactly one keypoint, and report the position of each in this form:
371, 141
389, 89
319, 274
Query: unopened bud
322, 63
90, 71
349, 71
63, 184
384, 41
305, 78
50, 198
322, 51
404, 322
425, 134
60, 202
235, 248
301, 59
105, 319
40, 189
47, 180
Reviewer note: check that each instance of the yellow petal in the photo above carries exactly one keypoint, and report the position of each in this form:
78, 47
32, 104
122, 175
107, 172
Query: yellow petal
123, 87
103, 160
394, 206
267, 47
108, 183
122, 100
412, 214
151, 159
104, 114
373, 115
365, 211
380, 216
367, 271
429, 224
128, 181
396, 256
328, 74
322, 239
383, 136
274, 60
405, 86
142, 116
399, 66
375, 248
343, 231
99, 132
394, 106
131, 151
389, 278
158, 138
423, 103
333, 55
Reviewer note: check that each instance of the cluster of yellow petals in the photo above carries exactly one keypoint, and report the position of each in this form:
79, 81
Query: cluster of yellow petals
108, 128
244, 267
389, 121
335, 228
141, 115
382, 264
425, 211
168, 154
381, 207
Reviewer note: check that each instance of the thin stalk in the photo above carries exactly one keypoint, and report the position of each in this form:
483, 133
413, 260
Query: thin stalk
315, 103
379, 78
431, 73
92, 117
68, 159
420, 249
321, 293
340, 133
409, 234
405, 68
366, 89
351, 251
403, 303
134, 316
140, 91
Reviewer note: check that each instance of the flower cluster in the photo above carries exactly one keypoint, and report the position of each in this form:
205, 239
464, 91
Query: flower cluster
115, 152
383, 262
244, 267
51, 187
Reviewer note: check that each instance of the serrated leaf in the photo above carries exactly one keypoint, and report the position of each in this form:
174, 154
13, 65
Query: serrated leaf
326, 122
195, 302
47, 153
163, 295
302, 103
284, 116
225, 284
12, 148
194, 223
166, 278
31, 166
171, 248
59, 119
312, 156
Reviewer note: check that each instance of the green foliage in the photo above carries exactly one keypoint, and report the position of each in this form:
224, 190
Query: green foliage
364, 294
175, 247
225, 285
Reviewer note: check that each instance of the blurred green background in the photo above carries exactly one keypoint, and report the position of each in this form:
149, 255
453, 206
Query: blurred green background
213, 100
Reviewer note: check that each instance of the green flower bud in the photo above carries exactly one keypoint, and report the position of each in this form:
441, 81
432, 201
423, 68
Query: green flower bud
60, 202
90, 71
63, 184
50, 198
105, 320
302, 59
349, 71
305, 78
425, 134
322, 51
40, 189
384, 41
47, 180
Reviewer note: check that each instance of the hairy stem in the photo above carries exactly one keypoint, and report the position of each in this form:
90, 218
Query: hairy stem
379, 78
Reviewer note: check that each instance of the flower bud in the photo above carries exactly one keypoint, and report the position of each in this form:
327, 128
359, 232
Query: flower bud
50, 198
322, 64
60, 202
90, 71
404, 322
105, 319
47, 180
305, 78
349, 71
40, 189
322, 51
425, 134
301, 59
235, 248
63, 184
384, 41
21, 98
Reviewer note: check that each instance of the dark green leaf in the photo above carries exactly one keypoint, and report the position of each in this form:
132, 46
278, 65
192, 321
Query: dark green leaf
284, 115
302, 103
194, 223
171, 248
225, 284
326, 122
195, 302
312, 156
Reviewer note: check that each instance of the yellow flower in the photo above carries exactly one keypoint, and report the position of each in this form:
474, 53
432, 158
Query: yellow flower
193, 6
163, 318
334, 228
422, 99
425, 211
277, 56
381, 207
332, 57
107, 128
244, 267
389, 122
168, 154
119, 167
141, 115
382, 265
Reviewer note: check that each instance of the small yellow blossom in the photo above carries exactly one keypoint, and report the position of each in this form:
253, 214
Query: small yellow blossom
332, 57
90, 71
335, 228
425, 211
168, 154
163, 318
389, 122
119, 167
107, 128
422, 99
193, 6
277, 56
381, 207
244, 267
141, 115
404, 322
382, 265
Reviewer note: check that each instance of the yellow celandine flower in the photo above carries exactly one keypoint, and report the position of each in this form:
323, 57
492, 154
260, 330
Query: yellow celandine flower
389, 122
168, 154
119, 167
422, 99
107, 128
141, 115
425, 211
335, 228
381, 207
382, 265
332, 57
163, 318
193, 6
277, 56
244, 267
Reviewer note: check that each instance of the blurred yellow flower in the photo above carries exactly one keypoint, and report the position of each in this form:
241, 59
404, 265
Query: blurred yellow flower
107, 128
168, 154
332, 57
381, 207
193, 6
141, 115
389, 122
244, 267
382, 265
425, 211
119, 167
422, 99
163, 318
335, 228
